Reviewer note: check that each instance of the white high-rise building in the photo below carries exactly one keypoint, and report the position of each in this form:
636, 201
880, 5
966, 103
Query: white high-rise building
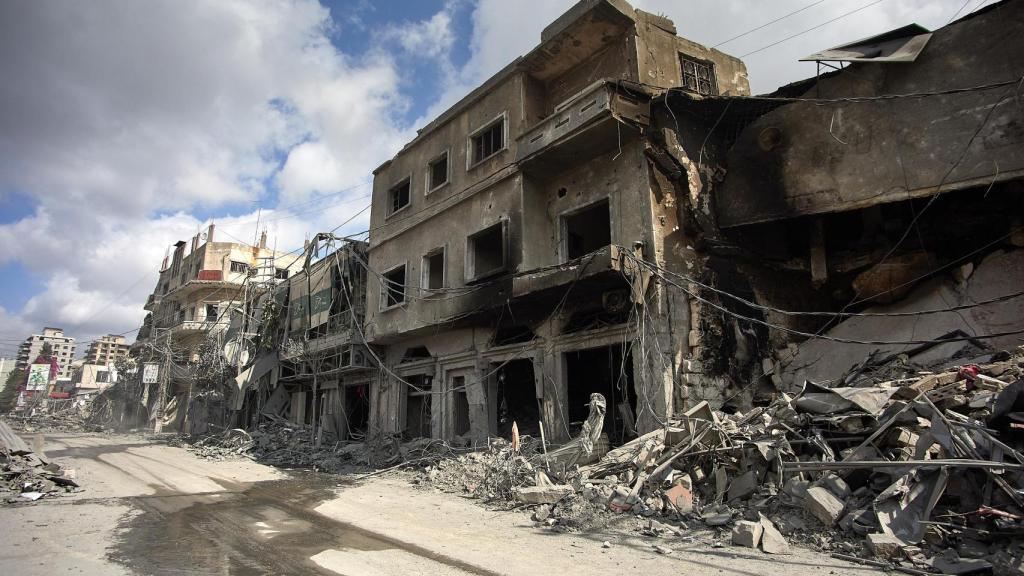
63, 349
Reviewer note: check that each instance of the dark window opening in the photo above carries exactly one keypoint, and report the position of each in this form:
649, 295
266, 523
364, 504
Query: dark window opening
587, 230
592, 318
398, 197
513, 335
461, 406
433, 270
417, 406
489, 141
487, 251
357, 411
516, 399
415, 353
240, 267
698, 77
211, 312
393, 289
438, 172
281, 273
609, 372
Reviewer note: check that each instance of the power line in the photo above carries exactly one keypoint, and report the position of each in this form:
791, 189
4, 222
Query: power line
765, 25
811, 29
957, 13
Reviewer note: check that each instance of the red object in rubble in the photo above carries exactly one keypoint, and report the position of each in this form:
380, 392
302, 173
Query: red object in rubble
968, 372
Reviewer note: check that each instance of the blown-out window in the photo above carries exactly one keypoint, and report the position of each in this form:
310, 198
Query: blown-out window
437, 172
488, 141
487, 251
392, 289
398, 197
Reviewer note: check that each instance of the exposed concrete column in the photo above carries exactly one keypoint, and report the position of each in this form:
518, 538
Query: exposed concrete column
476, 396
550, 370
441, 404
654, 361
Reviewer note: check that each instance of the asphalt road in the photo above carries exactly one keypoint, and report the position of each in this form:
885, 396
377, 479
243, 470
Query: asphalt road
149, 508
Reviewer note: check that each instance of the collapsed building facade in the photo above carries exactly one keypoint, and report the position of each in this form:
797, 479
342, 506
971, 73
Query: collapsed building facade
199, 297
614, 213
310, 364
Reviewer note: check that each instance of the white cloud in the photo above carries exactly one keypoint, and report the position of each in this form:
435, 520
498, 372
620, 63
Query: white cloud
122, 120
431, 38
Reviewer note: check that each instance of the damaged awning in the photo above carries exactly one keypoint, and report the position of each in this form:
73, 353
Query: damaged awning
900, 45
265, 364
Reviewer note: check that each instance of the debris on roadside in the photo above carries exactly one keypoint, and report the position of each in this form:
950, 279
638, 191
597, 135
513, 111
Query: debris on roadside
281, 443
26, 476
921, 473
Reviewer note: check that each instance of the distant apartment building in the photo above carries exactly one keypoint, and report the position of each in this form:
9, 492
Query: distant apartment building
63, 348
6, 367
106, 350
201, 283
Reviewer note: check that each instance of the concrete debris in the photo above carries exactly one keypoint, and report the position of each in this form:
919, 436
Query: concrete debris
542, 494
823, 505
884, 546
747, 533
772, 541
872, 471
281, 443
26, 476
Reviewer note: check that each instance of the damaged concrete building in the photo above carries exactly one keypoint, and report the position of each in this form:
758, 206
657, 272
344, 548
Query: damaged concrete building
200, 283
198, 298
614, 213
504, 237
866, 216
310, 363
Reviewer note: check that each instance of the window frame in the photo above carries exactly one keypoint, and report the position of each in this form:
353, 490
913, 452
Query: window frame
425, 270
231, 267
383, 304
446, 154
471, 273
563, 225
407, 180
503, 118
712, 74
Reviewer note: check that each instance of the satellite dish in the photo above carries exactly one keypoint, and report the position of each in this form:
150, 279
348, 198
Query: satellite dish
243, 359
230, 349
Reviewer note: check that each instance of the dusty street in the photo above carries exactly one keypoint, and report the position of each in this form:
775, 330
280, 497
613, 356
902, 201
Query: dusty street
148, 508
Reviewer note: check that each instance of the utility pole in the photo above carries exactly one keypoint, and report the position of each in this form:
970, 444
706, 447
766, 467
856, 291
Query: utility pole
164, 377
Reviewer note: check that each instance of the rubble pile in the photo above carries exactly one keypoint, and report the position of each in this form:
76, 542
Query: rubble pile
27, 477
63, 421
277, 442
923, 473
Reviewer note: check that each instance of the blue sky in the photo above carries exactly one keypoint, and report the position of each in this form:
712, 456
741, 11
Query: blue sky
130, 125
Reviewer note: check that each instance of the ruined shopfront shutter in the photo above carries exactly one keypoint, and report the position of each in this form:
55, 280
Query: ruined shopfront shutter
297, 303
320, 296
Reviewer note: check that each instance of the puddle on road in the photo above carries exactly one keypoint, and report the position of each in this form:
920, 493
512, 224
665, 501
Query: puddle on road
267, 528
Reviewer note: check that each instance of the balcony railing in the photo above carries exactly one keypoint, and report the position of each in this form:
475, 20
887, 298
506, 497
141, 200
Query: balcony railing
593, 112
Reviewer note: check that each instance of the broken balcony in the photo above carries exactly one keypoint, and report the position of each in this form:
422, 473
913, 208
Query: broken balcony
152, 302
591, 123
601, 267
